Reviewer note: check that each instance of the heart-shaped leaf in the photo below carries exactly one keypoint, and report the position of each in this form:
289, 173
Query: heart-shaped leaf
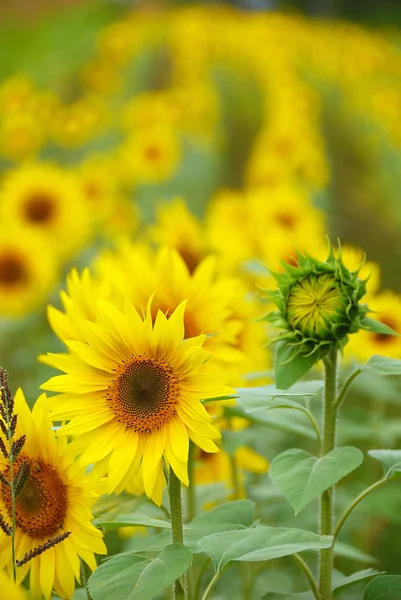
302, 477
259, 544
133, 577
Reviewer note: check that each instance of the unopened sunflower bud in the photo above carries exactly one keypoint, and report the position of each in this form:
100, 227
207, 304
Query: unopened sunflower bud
319, 305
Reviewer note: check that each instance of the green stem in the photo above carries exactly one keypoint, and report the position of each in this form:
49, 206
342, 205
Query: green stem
345, 387
326, 500
305, 568
210, 586
235, 478
177, 532
355, 503
191, 500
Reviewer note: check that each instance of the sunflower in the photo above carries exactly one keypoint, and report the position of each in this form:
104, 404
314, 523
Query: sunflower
176, 227
56, 499
150, 156
9, 590
49, 201
387, 308
27, 272
132, 395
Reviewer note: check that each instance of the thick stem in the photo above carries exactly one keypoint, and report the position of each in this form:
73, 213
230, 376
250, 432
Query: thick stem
174, 492
326, 500
12, 487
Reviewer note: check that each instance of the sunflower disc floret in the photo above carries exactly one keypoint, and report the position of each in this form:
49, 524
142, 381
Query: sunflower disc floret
319, 305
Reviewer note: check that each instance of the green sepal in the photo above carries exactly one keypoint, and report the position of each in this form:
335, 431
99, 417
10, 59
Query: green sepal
290, 366
376, 327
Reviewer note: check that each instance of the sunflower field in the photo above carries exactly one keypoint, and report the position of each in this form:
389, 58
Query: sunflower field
200, 302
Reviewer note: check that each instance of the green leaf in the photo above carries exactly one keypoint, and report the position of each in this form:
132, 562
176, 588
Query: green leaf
254, 398
385, 587
350, 552
288, 369
128, 520
390, 460
382, 365
230, 514
302, 477
342, 582
259, 544
376, 326
237, 515
133, 577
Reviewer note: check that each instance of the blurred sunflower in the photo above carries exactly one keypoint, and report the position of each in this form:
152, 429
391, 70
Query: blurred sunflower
388, 311
177, 227
55, 500
150, 156
132, 395
48, 200
27, 272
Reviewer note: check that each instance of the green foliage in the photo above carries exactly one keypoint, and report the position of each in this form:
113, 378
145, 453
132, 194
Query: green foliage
390, 460
259, 544
341, 582
382, 365
385, 587
302, 477
135, 577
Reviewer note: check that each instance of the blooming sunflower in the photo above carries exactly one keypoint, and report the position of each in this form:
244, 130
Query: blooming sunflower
27, 272
55, 500
132, 395
49, 201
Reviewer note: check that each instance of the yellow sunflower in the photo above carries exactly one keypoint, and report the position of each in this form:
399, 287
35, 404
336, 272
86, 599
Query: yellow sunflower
150, 156
56, 499
132, 395
49, 201
27, 272
176, 227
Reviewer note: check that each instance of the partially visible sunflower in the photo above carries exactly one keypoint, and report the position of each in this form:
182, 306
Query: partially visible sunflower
49, 201
387, 310
132, 394
9, 590
177, 227
27, 272
56, 499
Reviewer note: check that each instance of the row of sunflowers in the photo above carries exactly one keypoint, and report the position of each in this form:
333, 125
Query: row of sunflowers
193, 154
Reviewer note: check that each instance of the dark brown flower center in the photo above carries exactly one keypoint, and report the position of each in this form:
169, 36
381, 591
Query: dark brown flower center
144, 393
41, 506
39, 208
12, 270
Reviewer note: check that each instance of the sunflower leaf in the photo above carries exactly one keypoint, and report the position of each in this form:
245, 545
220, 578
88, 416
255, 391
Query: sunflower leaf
390, 461
259, 544
133, 577
383, 365
342, 582
302, 477
385, 587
